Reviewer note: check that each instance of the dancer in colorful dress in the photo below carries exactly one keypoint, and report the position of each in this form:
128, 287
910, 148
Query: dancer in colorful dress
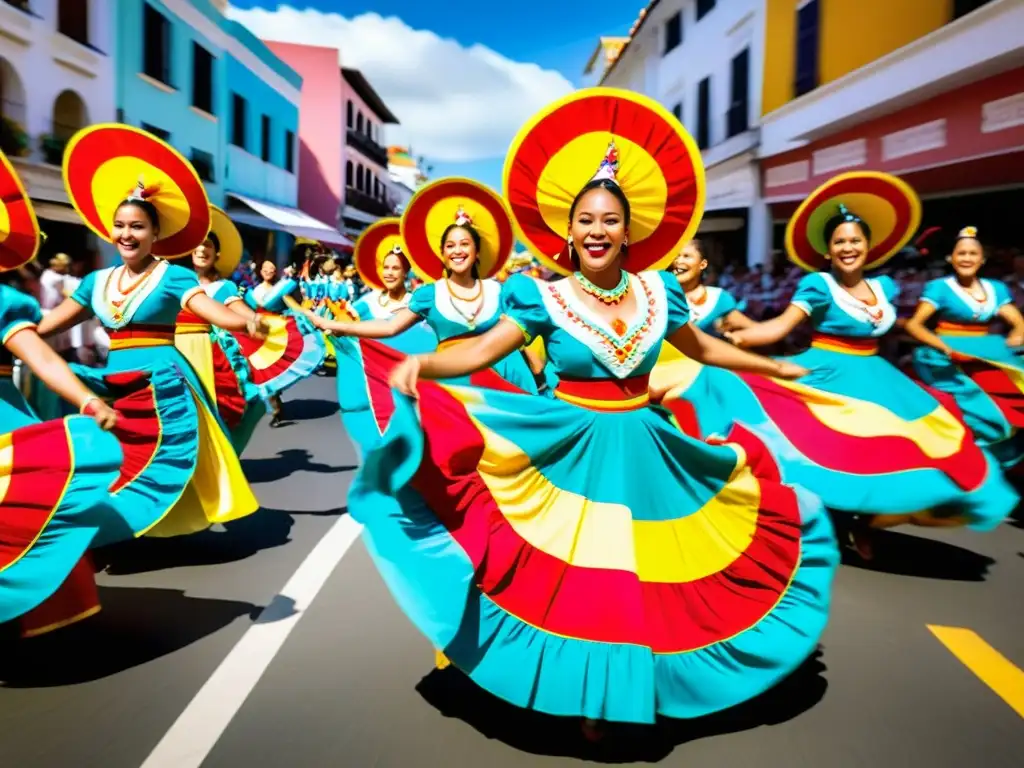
463, 236
963, 358
181, 474
54, 475
580, 555
214, 353
294, 350
856, 431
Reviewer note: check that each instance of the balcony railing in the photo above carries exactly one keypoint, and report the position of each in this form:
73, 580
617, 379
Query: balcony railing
736, 119
368, 147
367, 203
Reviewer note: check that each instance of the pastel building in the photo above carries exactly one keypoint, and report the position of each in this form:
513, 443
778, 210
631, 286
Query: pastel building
56, 76
343, 163
215, 92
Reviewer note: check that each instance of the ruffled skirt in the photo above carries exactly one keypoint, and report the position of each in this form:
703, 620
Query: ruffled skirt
293, 351
590, 564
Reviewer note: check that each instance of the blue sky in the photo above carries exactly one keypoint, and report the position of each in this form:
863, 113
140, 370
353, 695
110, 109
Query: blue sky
461, 125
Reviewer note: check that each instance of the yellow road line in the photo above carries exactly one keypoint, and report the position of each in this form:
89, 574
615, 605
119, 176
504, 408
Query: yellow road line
988, 664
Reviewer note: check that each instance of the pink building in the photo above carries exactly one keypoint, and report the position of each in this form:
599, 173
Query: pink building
343, 165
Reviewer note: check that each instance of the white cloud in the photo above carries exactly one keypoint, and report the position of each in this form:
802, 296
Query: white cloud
454, 103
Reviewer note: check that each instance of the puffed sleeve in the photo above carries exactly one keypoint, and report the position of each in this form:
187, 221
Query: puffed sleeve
18, 312
422, 300
678, 307
727, 303
182, 283
890, 288
227, 293
522, 304
1002, 291
933, 293
812, 295
83, 293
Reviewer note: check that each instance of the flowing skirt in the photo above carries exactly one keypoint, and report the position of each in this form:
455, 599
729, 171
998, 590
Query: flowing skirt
293, 351
592, 564
856, 432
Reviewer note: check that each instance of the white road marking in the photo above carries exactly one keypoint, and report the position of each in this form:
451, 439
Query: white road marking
196, 732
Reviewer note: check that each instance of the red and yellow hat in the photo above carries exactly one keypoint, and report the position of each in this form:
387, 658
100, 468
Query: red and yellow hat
888, 205
373, 246
19, 228
106, 164
230, 240
456, 200
627, 138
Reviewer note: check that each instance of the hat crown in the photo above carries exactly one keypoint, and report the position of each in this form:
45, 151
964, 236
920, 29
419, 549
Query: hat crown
609, 167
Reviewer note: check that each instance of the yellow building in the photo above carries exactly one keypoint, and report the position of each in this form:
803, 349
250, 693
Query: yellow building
810, 44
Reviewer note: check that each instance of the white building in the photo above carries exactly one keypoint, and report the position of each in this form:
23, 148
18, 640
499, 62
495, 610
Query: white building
56, 76
703, 60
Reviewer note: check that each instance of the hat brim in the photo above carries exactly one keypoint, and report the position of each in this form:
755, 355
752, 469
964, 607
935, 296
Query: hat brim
103, 163
888, 205
19, 228
557, 153
373, 245
230, 254
434, 208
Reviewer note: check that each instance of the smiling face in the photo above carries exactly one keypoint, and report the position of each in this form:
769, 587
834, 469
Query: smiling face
598, 229
134, 233
205, 256
459, 251
967, 258
848, 247
393, 272
268, 271
689, 265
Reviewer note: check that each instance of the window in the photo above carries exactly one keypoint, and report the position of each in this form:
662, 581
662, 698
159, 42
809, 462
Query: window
265, 138
704, 7
120, 115
739, 100
238, 108
202, 78
359, 122
677, 110
348, 174
963, 7
349, 118
156, 36
359, 178
807, 22
160, 133
673, 32
203, 163
289, 151
704, 113
73, 20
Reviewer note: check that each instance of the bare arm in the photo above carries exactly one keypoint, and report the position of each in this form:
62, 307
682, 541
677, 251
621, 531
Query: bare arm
28, 345
403, 320
703, 348
67, 314
770, 331
1013, 317
736, 320
241, 308
215, 313
918, 330
472, 355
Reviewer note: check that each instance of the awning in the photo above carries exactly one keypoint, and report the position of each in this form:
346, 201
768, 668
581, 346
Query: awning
291, 220
56, 212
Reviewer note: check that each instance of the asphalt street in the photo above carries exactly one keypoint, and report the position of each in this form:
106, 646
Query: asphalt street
265, 653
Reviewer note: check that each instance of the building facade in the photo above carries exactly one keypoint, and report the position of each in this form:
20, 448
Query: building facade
405, 176
702, 60
56, 76
935, 94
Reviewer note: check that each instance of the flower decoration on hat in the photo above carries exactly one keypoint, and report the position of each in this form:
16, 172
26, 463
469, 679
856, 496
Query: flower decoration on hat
110, 164
967, 232
634, 142
885, 204
19, 229
381, 239
460, 202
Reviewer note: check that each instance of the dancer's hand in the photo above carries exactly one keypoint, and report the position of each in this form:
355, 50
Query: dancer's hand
736, 338
1015, 340
257, 328
404, 376
791, 371
104, 416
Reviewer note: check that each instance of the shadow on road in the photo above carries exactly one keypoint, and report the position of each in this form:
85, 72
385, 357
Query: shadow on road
455, 695
903, 554
287, 463
241, 539
307, 409
136, 626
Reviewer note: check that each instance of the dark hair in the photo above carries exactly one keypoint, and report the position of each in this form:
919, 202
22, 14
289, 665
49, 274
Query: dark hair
143, 205
617, 193
698, 246
845, 216
215, 240
473, 234
401, 257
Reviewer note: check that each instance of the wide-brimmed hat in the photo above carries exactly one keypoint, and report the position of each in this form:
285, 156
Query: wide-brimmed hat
379, 239
19, 229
